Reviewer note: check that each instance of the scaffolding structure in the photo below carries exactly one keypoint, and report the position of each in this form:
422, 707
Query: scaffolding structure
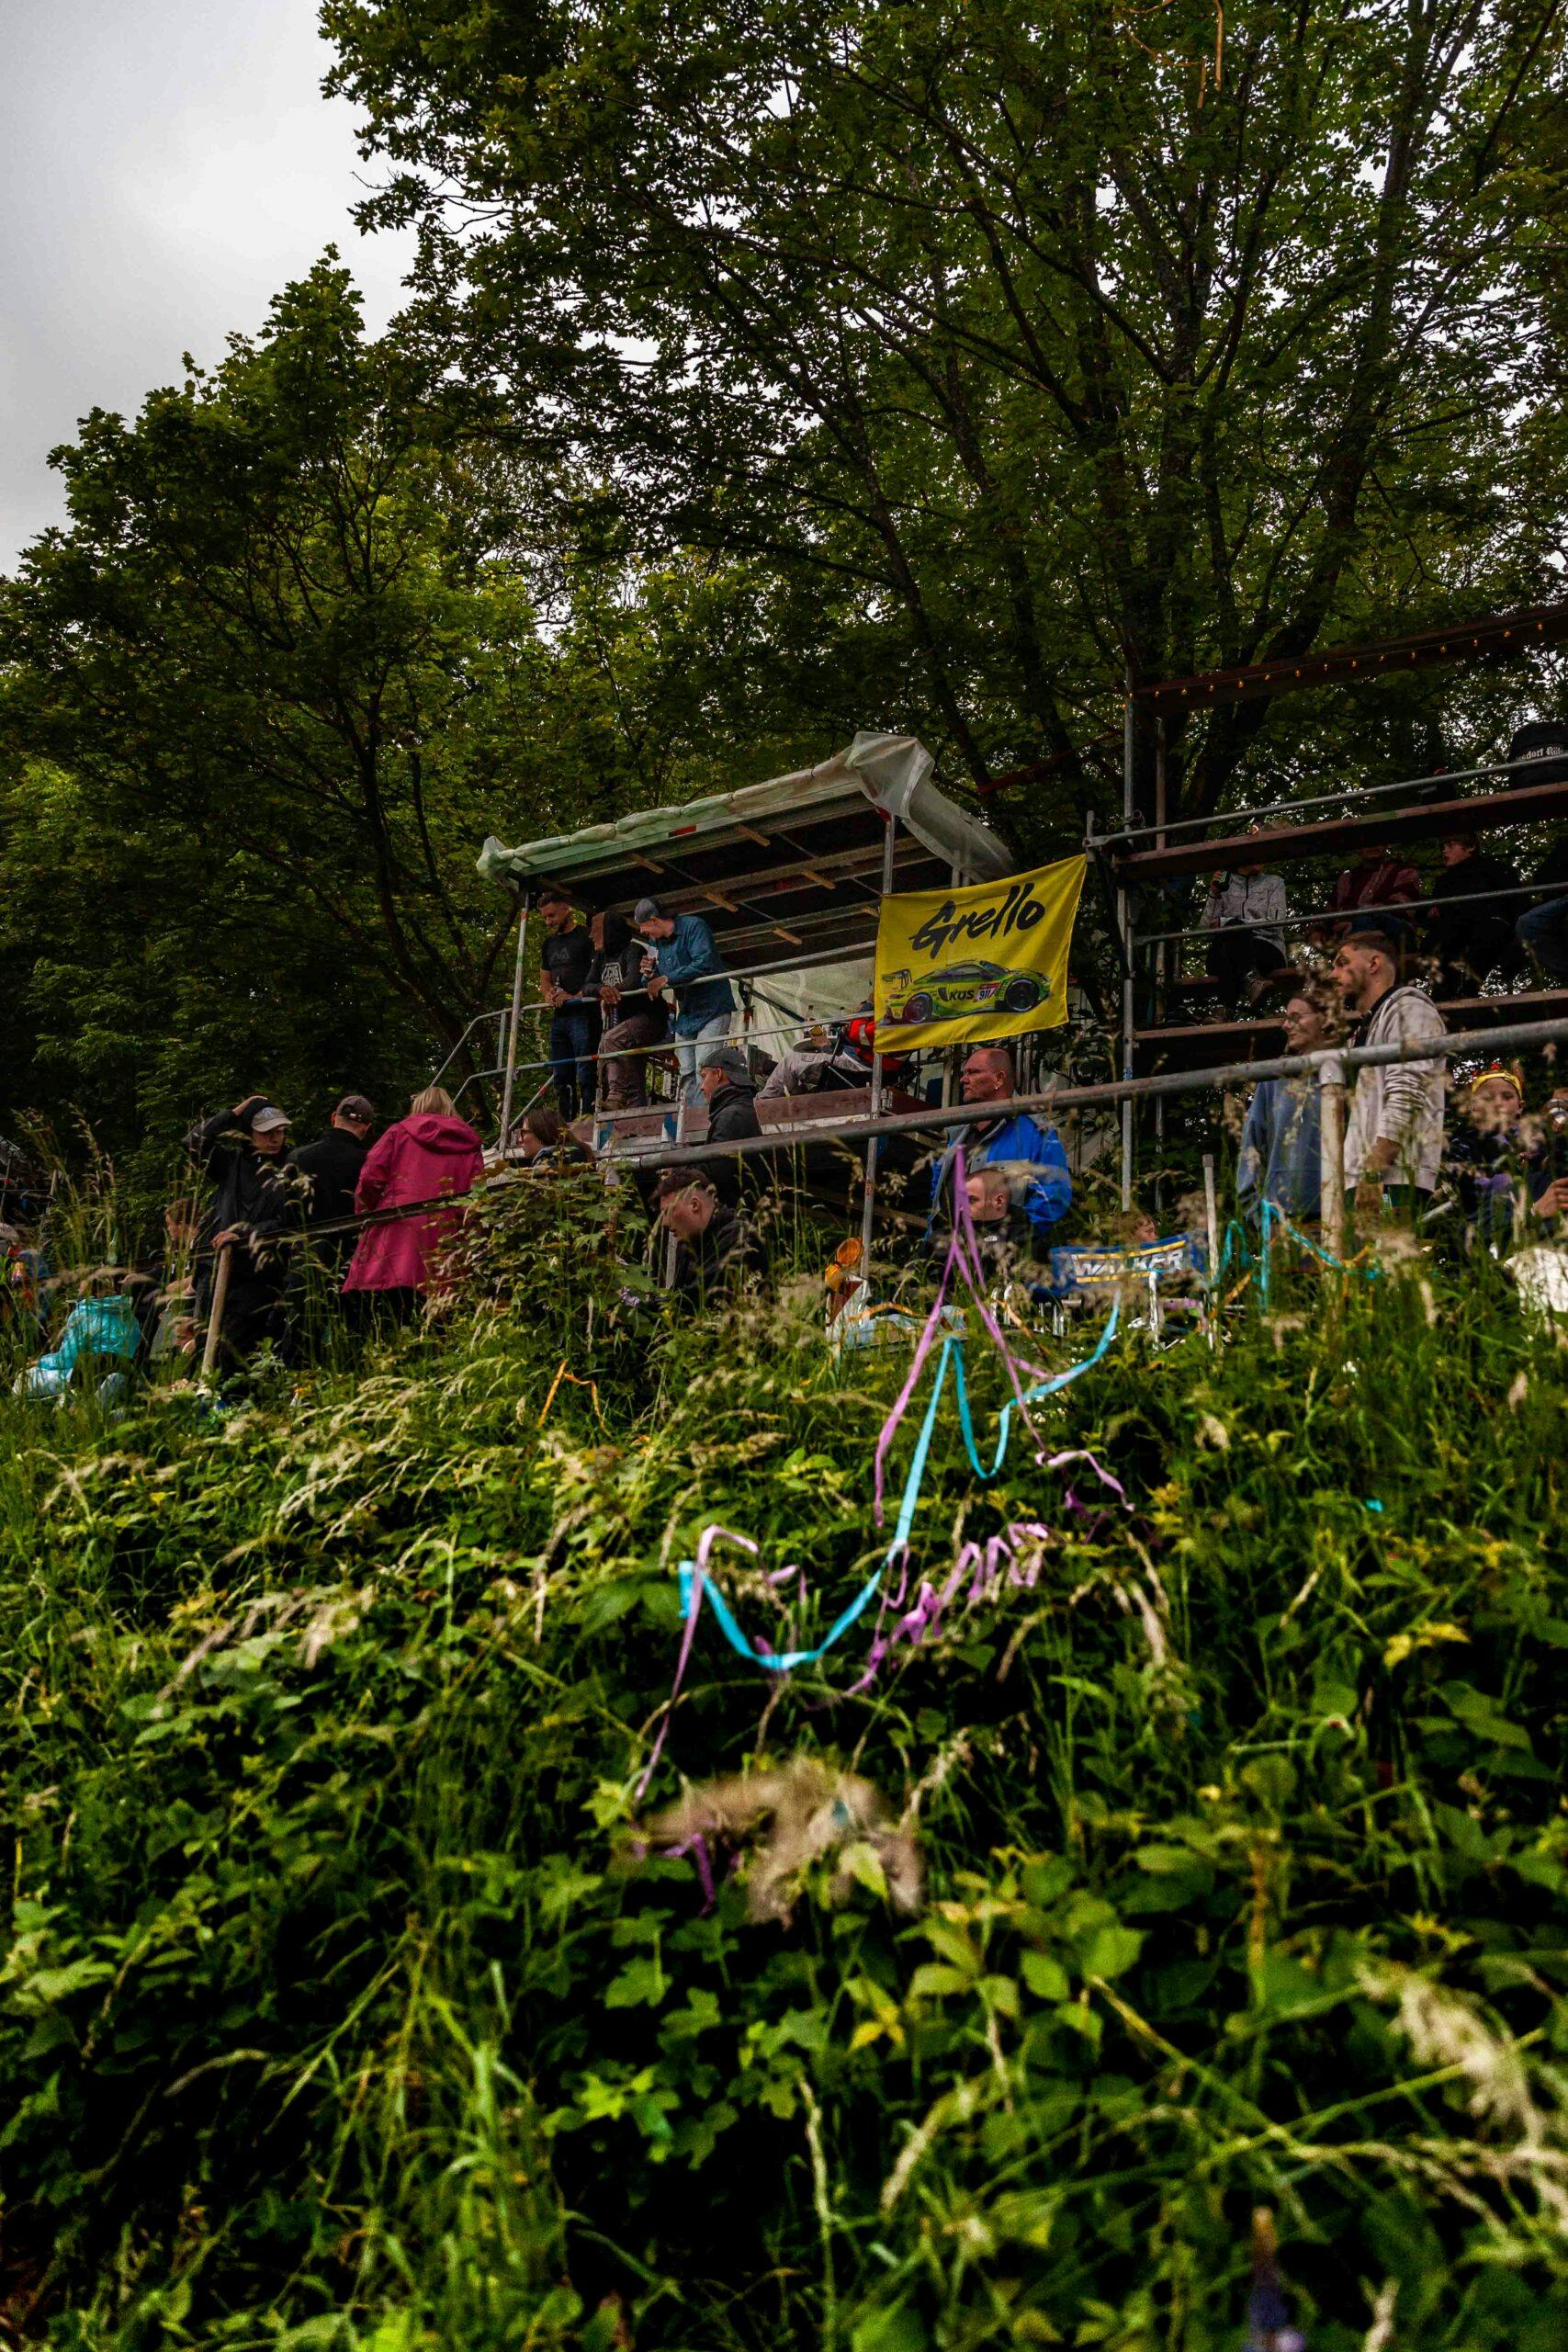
1148, 855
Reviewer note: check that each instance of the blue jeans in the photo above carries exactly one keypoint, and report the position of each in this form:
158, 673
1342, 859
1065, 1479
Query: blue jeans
691, 1035
1544, 931
574, 1042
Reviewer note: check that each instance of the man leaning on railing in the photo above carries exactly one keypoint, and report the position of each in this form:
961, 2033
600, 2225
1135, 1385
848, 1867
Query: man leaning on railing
684, 961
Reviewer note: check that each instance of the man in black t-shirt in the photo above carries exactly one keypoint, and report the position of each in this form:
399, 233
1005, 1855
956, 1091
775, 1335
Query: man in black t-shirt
564, 960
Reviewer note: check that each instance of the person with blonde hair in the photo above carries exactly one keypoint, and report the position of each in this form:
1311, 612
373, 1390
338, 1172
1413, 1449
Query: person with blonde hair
429, 1153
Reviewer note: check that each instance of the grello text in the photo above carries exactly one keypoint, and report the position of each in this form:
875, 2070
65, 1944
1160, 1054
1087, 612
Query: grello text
1020, 909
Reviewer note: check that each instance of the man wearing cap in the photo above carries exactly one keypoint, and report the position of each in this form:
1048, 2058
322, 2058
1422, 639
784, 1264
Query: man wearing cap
684, 961
329, 1171
726, 1080
245, 1150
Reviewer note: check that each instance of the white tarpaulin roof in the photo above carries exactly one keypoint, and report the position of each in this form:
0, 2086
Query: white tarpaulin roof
886, 772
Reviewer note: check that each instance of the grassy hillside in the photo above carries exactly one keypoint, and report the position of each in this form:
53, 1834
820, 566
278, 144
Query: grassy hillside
342, 2007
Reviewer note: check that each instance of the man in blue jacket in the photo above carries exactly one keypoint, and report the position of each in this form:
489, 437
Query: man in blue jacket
684, 963
988, 1075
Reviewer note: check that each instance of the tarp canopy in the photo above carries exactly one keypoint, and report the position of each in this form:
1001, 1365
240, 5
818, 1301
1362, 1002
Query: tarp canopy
783, 870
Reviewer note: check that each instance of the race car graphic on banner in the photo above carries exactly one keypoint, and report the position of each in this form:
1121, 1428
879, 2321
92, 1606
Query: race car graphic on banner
989, 961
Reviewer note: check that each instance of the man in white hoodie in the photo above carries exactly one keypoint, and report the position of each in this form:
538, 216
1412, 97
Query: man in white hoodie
1393, 1134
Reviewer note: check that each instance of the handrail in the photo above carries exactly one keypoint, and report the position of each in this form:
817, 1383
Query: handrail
1396, 907
1358, 792
961, 1114
1520, 1034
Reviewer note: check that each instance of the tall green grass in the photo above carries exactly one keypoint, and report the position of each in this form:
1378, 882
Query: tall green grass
340, 2008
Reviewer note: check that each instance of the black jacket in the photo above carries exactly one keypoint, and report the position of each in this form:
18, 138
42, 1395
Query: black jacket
722, 1253
732, 1113
252, 1192
1468, 879
329, 1169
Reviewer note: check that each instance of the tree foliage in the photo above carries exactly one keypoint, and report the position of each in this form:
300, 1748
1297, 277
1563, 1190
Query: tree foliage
1094, 342
305, 639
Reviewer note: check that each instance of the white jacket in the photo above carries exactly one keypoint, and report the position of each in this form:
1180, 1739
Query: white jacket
1402, 1101
1257, 901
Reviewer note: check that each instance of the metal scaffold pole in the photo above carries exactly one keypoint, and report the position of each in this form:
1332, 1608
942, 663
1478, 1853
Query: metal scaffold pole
869, 1207
513, 1020
1124, 945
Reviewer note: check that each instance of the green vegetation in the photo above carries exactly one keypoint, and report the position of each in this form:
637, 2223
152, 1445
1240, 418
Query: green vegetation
770, 372
340, 2010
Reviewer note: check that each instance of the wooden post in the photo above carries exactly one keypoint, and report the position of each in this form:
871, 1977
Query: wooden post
215, 1311
511, 1029
1331, 1181
1211, 1218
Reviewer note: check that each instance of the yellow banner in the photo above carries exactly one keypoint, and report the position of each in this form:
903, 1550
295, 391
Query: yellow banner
953, 966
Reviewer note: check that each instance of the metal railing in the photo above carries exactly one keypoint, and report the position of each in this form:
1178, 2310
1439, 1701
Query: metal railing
1325, 1067
1350, 792
1397, 907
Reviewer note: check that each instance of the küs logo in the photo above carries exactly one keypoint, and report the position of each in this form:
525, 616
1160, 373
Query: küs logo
1017, 911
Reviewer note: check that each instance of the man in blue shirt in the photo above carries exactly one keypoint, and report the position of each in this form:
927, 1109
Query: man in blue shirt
988, 1075
685, 963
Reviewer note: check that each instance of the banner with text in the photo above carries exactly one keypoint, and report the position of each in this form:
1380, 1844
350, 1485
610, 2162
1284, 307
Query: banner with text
989, 961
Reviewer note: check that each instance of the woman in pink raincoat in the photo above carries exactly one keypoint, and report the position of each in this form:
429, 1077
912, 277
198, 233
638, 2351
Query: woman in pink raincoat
429, 1152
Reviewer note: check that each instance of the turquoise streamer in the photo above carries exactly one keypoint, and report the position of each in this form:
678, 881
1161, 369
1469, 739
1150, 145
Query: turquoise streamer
1270, 1215
784, 1661
779, 1662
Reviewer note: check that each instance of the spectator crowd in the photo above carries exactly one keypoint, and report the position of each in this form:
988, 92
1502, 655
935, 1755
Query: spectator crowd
359, 1226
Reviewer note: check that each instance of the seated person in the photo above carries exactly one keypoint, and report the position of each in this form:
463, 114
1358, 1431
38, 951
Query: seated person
988, 1075
831, 1056
715, 1249
546, 1141
1244, 908
725, 1077
1468, 938
1281, 1157
1380, 877
101, 1337
996, 1192
636, 1017
1542, 929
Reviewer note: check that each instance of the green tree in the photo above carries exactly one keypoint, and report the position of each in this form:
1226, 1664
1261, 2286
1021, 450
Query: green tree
312, 629
269, 625
1091, 344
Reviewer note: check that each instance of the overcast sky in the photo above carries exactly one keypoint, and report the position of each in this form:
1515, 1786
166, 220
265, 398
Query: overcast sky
166, 165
